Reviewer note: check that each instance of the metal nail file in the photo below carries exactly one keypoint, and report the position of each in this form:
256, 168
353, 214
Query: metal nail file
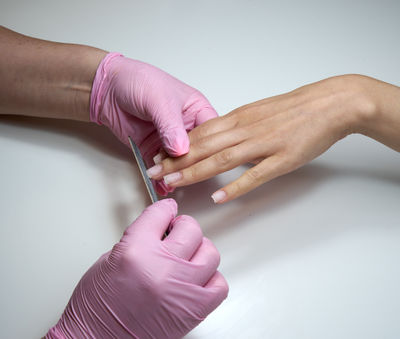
147, 181
142, 168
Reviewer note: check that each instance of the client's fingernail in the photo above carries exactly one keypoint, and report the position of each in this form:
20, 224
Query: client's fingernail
218, 196
153, 171
173, 177
157, 158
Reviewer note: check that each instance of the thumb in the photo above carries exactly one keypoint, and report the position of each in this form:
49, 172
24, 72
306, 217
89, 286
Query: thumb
171, 129
175, 140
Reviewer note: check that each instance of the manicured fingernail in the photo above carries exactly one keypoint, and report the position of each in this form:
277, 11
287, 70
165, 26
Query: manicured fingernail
158, 158
153, 171
218, 196
173, 177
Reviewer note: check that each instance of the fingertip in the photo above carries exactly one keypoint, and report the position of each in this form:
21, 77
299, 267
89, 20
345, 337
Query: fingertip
219, 197
169, 202
154, 220
176, 142
212, 251
184, 238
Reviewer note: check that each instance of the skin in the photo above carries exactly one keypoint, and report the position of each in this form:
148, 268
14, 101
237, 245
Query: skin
46, 79
282, 133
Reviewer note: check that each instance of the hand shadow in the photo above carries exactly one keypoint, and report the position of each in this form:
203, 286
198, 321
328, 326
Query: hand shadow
270, 197
267, 202
95, 144
193, 200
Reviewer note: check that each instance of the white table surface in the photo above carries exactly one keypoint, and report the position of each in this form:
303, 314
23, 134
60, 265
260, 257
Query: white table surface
313, 254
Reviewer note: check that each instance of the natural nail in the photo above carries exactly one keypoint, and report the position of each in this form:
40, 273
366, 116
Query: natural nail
218, 196
157, 158
173, 177
153, 171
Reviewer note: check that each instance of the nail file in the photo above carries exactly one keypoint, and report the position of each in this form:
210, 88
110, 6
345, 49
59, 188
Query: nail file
147, 181
142, 168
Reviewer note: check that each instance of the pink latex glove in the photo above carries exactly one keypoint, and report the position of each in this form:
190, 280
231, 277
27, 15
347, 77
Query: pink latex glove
136, 99
146, 287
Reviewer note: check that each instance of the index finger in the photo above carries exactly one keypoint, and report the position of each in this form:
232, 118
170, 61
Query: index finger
210, 127
220, 162
199, 150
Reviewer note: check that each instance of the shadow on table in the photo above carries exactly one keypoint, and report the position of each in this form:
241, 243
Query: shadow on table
97, 137
93, 143
257, 242
270, 197
194, 200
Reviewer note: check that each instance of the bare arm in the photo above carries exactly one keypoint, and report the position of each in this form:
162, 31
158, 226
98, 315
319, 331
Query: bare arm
45, 79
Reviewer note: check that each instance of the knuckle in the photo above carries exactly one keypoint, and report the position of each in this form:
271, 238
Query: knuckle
284, 164
191, 173
292, 163
254, 174
204, 147
202, 131
213, 252
224, 289
168, 165
235, 188
224, 158
193, 227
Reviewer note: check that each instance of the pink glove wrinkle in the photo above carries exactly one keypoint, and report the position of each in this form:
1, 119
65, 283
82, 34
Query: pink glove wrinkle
136, 99
146, 286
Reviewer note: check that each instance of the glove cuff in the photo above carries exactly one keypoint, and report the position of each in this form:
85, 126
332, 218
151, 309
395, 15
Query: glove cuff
54, 333
98, 87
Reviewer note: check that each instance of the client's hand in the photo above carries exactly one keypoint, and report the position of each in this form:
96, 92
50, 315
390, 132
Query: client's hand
282, 133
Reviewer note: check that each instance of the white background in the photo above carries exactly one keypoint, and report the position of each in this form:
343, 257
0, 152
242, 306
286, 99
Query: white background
313, 254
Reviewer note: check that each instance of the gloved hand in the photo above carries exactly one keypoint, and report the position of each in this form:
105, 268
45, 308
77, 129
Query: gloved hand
146, 287
136, 99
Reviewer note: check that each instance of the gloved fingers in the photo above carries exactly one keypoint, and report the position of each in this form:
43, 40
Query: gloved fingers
184, 238
217, 290
175, 141
154, 221
206, 299
173, 125
206, 261
171, 129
